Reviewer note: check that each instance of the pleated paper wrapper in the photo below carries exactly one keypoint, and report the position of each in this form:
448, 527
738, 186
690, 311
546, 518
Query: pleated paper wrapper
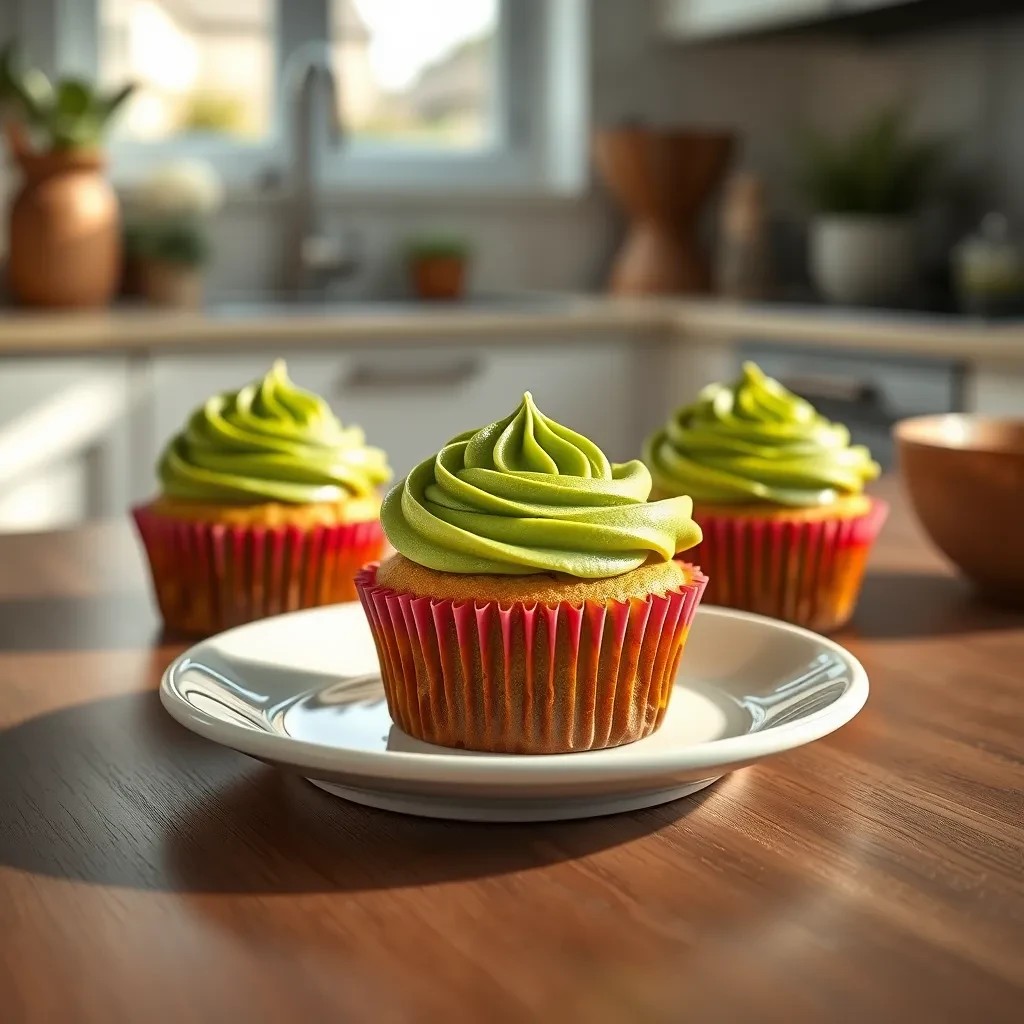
210, 576
528, 679
806, 572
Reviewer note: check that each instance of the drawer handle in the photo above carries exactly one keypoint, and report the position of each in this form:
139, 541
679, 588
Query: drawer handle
368, 377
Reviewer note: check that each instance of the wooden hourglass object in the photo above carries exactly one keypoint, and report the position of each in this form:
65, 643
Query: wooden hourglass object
661, 178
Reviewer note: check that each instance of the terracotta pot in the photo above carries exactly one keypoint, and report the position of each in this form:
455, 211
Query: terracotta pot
170, 284
438, 277
64, 231
662, 179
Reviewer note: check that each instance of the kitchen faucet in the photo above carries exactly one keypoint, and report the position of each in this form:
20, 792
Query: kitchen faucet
312, 259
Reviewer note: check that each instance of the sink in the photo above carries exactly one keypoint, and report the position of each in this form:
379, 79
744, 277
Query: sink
318, 305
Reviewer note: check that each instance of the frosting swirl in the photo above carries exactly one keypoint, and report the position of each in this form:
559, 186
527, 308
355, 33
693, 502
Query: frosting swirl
527, 495
754, 441
270, 441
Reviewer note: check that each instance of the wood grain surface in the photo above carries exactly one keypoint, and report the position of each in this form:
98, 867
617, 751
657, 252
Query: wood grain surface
149, 876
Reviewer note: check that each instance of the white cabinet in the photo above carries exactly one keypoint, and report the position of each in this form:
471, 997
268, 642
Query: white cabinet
411, 399
80, 438
63, 441
705, 19
412, 402
996, 390
177, 385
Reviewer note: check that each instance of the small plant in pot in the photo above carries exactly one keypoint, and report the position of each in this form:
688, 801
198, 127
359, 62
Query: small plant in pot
64, 231
866, 190
438, 266
167, 236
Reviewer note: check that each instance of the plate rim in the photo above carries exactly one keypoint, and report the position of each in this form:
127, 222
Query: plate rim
306, 755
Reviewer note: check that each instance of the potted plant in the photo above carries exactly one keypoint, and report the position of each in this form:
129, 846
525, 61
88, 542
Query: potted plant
865, 190
167, 237
168, 263
438, 266
64, 235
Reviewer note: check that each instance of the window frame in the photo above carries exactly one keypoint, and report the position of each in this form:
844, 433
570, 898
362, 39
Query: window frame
541, 138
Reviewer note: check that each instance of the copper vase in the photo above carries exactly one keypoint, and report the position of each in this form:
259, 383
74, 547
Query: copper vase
64, 245
662, 179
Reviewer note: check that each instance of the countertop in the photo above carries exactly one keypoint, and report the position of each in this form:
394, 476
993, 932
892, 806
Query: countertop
147, 875
566, 317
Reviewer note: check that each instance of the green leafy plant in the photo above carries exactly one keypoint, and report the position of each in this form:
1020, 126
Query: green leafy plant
68, 114
879, 170
181, 241
437, 246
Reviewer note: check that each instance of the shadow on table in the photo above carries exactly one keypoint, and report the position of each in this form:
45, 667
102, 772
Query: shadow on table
114, 792
897, 605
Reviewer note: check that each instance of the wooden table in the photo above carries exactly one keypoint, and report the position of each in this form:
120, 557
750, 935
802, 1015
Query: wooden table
149, 876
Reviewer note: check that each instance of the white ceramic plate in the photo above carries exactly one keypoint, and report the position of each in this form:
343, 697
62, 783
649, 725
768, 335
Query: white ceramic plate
303, 691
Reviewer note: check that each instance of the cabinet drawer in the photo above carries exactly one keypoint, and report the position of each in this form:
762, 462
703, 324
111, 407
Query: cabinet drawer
412, 399
411, 402
866, 392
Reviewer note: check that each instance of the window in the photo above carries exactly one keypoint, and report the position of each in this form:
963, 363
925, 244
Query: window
418, 74
202, 67
464, 94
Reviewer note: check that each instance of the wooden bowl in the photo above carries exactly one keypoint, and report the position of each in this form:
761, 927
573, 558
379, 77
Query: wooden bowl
965, 477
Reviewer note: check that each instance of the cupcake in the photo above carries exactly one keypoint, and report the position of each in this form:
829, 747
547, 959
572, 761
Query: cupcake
267, 504
778, 493
535, 603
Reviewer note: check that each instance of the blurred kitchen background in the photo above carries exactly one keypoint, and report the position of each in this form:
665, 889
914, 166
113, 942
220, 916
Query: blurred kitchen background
428, 207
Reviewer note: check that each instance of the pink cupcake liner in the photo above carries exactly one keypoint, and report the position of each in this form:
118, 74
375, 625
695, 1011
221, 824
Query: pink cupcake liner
806, 572
517, 678
210, 576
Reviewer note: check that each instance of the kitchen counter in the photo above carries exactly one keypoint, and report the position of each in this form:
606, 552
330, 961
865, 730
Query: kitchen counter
254, 324
149, 875
567, 317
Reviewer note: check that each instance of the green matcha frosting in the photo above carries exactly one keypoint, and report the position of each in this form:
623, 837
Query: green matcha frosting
270, 441
527, 495
753, 441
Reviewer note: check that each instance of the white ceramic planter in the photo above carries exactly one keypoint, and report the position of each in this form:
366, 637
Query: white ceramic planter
860, 259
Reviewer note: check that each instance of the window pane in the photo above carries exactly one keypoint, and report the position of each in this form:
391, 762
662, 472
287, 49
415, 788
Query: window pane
417, 72
202, 66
